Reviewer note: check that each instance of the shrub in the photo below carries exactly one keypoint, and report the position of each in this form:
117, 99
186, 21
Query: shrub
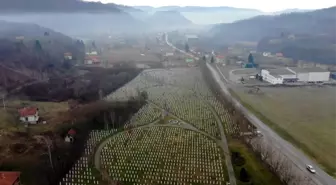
244, 176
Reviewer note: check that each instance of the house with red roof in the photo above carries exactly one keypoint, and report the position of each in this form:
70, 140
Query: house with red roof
220, 58
10, 178
92, 59
68, 56
70, 137
29, 115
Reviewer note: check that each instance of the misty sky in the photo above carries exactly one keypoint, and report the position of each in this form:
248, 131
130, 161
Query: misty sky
267, 6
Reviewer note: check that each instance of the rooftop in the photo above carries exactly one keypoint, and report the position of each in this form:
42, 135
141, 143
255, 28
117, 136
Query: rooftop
8, 178
307, 69
245, 71
191, 36
280, 71
27, 111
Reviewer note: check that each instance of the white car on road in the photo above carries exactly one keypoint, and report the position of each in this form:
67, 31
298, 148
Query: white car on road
311, 169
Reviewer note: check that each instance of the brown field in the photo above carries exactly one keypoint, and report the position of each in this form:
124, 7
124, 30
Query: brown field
306, 116
49, 111
130, 54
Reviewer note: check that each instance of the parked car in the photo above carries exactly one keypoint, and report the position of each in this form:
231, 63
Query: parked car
311, 169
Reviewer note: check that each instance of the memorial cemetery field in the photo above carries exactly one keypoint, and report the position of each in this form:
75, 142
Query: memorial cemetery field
175, 138
161, 155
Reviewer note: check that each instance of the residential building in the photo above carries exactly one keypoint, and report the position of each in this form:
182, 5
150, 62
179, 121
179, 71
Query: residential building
266, 54
220, 59
279, 55
92, 53
29, 115
68, 56
10, 178
169, 54
92, 60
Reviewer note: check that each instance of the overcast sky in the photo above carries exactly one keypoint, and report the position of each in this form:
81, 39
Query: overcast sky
264, 5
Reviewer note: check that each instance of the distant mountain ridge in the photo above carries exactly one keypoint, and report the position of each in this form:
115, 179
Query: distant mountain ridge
290, 11
72, 17
191, 8
168, 18
315, 22
207, 15
55, 6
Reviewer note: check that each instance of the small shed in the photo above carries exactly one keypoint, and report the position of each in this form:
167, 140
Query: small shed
70, 137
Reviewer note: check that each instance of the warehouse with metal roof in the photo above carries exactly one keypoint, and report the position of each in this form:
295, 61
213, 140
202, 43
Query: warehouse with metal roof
278, 76
312, 74
295, 74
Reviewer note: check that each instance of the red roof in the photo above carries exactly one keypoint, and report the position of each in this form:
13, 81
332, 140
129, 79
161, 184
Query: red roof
8, 178
95, 59
72, 132
220, 56
67, 54
28, 111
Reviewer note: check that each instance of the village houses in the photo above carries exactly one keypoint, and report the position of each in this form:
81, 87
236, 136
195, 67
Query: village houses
29, 115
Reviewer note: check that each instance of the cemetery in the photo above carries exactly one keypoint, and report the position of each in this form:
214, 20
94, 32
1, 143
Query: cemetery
147, 114
157, 154
161, 155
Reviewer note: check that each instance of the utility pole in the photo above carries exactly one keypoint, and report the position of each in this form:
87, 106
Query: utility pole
3, 101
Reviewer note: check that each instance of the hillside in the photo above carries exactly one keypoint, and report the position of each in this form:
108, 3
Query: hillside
207, 15
55, 6
29, 52
168, 19
313, 48
72, 17
316, 22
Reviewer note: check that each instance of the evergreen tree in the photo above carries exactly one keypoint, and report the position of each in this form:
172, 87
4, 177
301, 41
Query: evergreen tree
204, 59
38, 46
250, 59
212, 59
244, 176
186, 47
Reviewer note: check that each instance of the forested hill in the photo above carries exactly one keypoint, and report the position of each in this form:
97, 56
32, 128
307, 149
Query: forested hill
55, 6
313, 48
168, 18
28, 51
315, 22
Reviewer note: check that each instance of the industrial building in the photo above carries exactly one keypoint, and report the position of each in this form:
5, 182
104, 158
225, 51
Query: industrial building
312, 74
295, 74
278, 76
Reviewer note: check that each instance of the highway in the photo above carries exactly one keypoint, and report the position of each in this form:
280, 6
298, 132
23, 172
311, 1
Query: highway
298, 158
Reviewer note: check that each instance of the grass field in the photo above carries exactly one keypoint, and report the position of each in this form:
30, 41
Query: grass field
138, 54
9, 118
259, 173
303, 115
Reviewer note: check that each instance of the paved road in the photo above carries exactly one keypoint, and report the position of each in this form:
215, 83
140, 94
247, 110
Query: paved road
295, 155
298, 158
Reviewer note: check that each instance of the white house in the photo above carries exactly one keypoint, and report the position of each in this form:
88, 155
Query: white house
68, 56
169, 54
29, 115
92, 53
266, 54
